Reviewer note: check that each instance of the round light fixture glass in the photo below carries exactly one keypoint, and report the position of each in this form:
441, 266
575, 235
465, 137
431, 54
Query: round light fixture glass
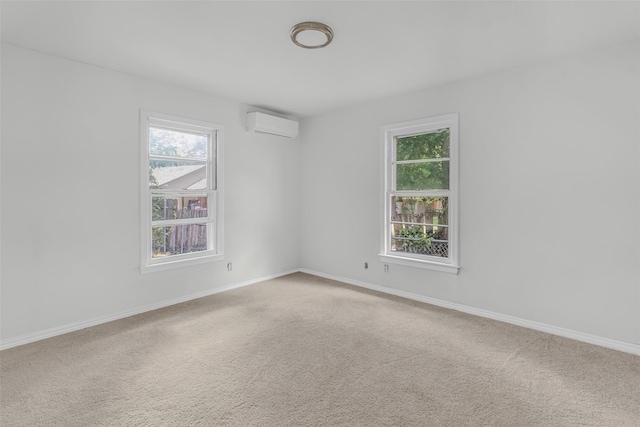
311, 35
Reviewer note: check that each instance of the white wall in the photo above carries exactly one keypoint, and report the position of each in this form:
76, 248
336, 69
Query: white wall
549, 193
70, 189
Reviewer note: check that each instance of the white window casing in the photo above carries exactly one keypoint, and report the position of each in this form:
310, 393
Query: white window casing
416, 245
190, 235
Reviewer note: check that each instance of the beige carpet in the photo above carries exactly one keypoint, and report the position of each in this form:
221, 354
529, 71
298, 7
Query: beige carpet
305, 351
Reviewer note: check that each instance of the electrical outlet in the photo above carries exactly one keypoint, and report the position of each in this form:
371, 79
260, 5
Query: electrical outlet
386, 268
229, 266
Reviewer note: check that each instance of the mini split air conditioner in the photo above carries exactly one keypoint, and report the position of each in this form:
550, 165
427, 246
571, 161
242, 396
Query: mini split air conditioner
265, 123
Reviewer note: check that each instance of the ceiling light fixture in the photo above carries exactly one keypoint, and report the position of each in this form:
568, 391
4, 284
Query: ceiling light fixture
311, 35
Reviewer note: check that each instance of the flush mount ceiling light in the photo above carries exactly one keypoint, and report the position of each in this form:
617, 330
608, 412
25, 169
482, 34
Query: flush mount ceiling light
311, 35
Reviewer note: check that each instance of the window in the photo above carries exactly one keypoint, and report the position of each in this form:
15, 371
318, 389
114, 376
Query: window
181, 193
421, 193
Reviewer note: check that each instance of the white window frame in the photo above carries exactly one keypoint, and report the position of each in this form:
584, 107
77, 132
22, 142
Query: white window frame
213, 191
389, 134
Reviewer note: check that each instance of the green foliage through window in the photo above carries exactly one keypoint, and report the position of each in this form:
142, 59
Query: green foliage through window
164, 142
433, 145
421, 175
414, 239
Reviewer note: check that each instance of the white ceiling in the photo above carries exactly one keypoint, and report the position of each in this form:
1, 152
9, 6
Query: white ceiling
242, 51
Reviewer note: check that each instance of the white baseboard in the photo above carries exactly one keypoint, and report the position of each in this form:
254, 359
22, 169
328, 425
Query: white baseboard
554, 330
52, 332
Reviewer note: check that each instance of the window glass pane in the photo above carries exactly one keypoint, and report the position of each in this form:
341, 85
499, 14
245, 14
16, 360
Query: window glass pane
426, 146
177, 175
172, 207
164, 142
423, 176
420, 210
178, 239
424, 240
408, 236
435, 248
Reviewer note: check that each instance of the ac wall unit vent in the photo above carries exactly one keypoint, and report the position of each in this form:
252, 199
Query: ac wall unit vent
272, 125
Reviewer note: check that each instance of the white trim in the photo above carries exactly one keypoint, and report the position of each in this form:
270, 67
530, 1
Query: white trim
388, 133
422, 193
182, 159
171, 122
175, 261
214, 192
60, 330
433, 160
415, 262
185, 221
530, 324
219, 190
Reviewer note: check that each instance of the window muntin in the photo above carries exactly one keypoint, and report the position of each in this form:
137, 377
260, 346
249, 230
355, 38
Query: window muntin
182, 221
167, 208
422, 175
420, 192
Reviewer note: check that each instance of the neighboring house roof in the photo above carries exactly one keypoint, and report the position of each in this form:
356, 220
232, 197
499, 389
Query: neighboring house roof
190, 177
200, 185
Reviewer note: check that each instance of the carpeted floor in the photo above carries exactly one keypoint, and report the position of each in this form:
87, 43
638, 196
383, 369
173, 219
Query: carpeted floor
306, 351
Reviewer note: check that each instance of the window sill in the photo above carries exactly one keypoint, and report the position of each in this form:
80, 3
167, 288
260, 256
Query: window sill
412, 262
167, 265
